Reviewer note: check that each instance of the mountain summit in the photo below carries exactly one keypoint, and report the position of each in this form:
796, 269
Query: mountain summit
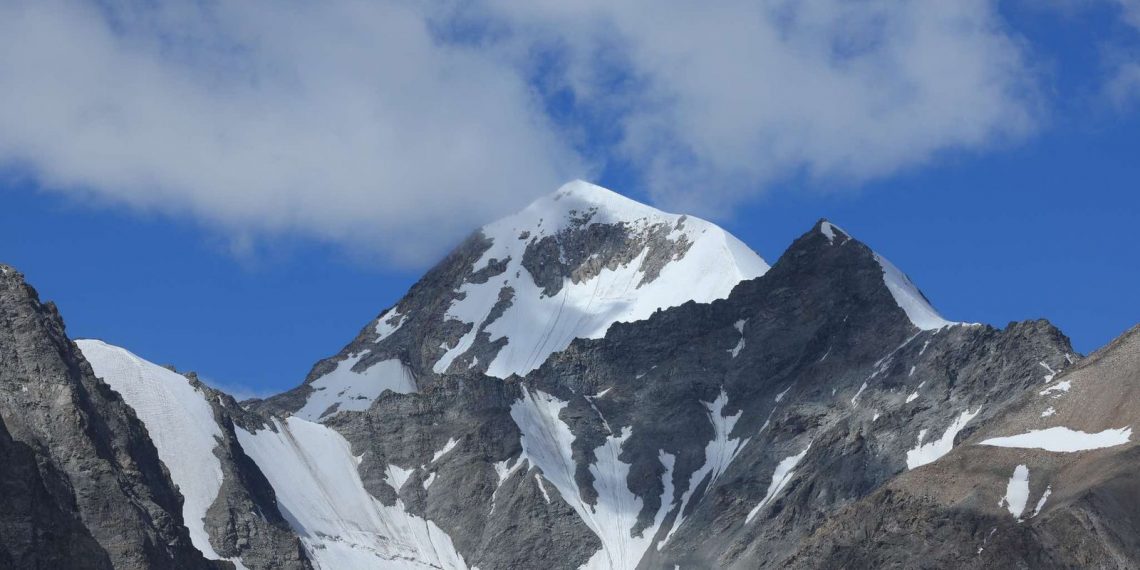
569, 265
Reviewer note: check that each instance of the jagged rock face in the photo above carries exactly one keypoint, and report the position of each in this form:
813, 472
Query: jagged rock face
83, 482
1051, 483
568, 266
708, 435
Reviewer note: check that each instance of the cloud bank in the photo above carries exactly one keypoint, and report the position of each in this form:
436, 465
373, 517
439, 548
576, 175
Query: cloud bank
345, 121
395, 127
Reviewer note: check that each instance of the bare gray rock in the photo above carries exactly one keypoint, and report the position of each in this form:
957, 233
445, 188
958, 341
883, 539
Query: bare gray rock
98, 496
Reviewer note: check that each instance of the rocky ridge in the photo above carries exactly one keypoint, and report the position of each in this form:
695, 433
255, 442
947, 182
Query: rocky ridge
85, 486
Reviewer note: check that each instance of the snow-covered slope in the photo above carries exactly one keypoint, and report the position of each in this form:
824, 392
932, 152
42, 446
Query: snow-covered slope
181, 425
314, 474
910, 299
344, 389
694, 260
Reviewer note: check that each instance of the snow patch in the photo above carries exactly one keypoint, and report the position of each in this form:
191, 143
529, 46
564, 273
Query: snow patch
734, 351
447, 447
1064, 386
504, 469
780, 479
1016, 492
541, 487
1050, 372
829, 230
355, 391
914, 395
385, 325
780, 396
1041, 501
931, 452
1048, 412
719, 454
909, 298
180, 422
1063, 439
396, 476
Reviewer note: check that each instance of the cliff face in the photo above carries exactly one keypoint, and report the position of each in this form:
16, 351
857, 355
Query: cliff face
95, 493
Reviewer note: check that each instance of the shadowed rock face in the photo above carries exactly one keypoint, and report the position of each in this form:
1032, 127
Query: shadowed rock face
87, 488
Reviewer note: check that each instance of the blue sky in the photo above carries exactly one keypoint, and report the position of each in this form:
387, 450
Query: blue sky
1009, 194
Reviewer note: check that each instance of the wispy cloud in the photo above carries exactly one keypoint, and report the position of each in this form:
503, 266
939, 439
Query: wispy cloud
732, 96
239, 391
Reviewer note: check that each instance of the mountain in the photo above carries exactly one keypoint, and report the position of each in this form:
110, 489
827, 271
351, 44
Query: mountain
709, 434
594, 383
568, 266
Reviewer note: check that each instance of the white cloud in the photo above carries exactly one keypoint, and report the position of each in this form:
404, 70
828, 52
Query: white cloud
1130, 11
1123, 89
239, 391
1120, 85
732, 96
351, 122
342, 120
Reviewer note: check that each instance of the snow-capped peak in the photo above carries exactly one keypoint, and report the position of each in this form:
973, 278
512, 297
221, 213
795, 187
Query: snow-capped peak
579, 204
579, 260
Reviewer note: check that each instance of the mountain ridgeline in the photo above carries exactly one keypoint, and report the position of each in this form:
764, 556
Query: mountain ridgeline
590, 383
